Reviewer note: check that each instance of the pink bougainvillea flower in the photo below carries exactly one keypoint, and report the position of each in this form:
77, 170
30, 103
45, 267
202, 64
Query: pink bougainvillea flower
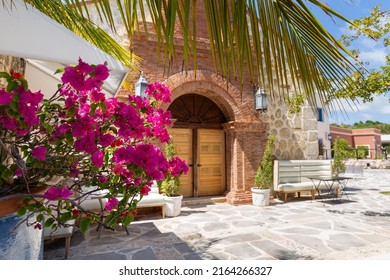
65, 193
159, 91
84, 110
32, 98
111, 203
106, 140
38, 226
87, 143
53, 193
120, 170
18, 172
178, 166
9, 123
101, 72
5, 97
96, 95
39, 153
145, 190
97, 159
103, 179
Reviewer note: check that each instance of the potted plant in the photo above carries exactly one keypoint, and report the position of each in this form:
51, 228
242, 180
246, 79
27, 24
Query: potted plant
170, 186
341, 153
263, 177
88, 140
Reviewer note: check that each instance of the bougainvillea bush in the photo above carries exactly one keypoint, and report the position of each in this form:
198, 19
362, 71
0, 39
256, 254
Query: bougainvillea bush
80, 139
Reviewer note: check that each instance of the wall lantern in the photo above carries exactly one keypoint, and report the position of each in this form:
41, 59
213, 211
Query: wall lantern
329, 137
140, 86
261, 100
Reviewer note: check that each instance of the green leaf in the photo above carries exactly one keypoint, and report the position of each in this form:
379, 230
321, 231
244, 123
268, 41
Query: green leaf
49, 222
14, 106
106, 158
128, 220
58, 71
6, 174
48, 127
24, 83
21, 211
39, 217
65, 217
84, 225
5, 75
12, 85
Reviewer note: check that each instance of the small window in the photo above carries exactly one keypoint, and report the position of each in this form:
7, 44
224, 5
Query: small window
320, 115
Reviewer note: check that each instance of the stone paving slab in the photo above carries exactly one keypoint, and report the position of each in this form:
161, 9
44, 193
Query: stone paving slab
358, 228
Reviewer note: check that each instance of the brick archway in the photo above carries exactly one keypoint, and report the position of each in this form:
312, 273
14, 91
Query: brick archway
210, 85
245, 133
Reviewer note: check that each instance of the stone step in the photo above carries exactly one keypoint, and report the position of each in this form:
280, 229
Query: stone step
203, 200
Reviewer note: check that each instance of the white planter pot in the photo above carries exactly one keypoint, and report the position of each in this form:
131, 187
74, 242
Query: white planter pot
173, 205
260, 197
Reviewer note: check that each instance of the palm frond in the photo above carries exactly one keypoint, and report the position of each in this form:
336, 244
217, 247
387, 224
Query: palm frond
277, 43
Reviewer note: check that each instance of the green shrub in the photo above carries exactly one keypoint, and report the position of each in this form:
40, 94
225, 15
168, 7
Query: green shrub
341, 151
171, 185
263, 177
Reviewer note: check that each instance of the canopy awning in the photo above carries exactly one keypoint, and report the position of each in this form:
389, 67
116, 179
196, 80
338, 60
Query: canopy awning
27, 33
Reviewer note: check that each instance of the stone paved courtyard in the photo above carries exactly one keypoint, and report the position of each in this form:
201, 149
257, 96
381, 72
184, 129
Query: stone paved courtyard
358, 228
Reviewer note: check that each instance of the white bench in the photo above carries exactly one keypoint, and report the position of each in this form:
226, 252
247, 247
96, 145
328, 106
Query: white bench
153, 199
65, 231
292, 176
61, 232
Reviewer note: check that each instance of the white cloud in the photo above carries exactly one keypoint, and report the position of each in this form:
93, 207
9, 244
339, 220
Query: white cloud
376, 57
378, 110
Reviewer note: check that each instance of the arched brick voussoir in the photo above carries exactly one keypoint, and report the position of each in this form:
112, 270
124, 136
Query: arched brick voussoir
210, 85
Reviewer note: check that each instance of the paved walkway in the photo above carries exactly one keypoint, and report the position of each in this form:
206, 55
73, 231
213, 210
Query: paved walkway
358, 228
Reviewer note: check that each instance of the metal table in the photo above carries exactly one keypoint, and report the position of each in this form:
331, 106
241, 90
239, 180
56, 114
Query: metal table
329, 183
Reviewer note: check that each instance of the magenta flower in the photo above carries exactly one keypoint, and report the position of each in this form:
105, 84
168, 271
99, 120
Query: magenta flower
159, 91
53, 193
103, 179
97, 96
101, 72
87, 143
63, 128
9, 123
111, 203
5, 97
145, 190
106, 140
84, 110
39, 153
33, 98
97, 159
178, 166
38, 226
18, 172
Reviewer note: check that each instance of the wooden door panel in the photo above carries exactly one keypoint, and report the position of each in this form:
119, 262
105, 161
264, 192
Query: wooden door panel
211, 161
182, 140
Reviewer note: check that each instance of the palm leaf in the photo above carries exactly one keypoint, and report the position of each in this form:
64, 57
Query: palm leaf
273, 41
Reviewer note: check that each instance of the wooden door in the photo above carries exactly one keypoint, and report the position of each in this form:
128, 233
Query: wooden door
210, 162
182, 140
204, 152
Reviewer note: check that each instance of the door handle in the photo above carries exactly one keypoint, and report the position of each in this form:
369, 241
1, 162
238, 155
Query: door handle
199, 165
191, 165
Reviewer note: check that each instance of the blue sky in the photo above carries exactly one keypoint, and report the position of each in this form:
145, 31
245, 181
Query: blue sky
374, 52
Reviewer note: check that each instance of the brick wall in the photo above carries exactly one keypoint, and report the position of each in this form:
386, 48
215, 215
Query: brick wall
246, 130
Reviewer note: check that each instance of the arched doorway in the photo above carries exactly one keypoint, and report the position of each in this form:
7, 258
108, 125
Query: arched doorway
200, 140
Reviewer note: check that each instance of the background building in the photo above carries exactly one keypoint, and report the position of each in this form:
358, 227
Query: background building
367, 138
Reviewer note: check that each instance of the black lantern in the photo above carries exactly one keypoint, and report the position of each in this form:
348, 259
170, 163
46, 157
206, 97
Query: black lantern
261, 100
329, 137
140, 86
